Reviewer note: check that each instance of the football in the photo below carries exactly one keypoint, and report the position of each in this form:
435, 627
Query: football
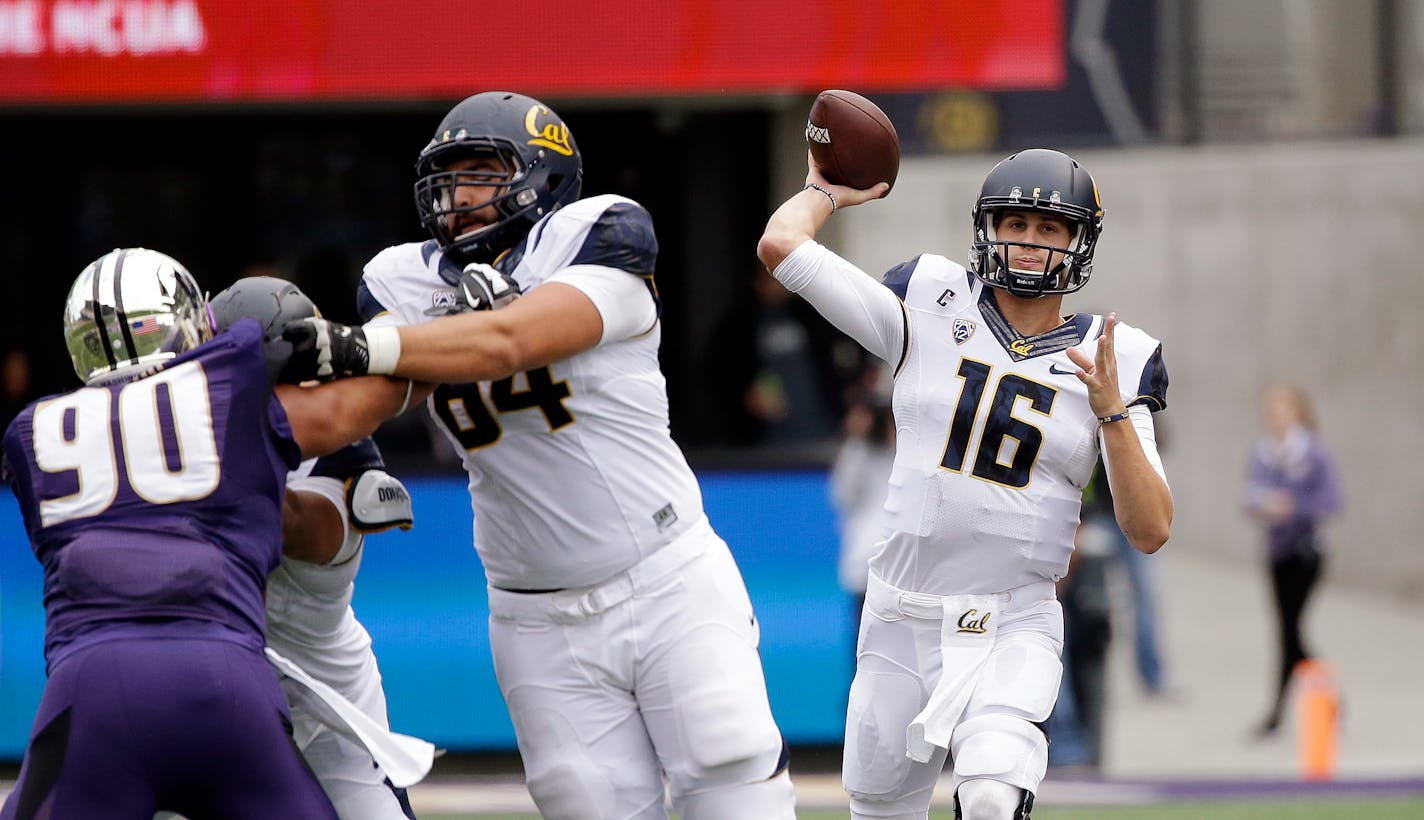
852, 140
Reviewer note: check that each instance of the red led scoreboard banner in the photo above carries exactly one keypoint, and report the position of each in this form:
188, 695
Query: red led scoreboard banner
106, 51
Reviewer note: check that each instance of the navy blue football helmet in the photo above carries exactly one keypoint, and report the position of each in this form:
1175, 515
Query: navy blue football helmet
271, 301
539, 165
1049, 182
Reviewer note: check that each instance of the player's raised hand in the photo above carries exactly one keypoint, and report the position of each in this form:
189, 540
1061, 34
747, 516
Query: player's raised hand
1100, 373
843, 195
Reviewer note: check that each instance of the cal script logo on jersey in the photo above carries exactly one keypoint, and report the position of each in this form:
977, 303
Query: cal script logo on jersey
553, 135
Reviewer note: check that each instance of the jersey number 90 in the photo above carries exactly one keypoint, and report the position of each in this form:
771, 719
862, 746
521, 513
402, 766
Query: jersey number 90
168, 456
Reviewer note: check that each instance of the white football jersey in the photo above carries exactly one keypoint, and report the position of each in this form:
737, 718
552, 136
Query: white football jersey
574, 476
309, 615
996, 438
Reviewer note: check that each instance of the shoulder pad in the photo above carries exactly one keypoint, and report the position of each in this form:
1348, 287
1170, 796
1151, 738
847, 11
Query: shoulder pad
897, 279
1152, 387
367, 305
377, 501
621, 237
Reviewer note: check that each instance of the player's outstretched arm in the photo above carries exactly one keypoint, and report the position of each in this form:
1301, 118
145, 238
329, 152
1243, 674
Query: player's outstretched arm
330, 416
549, 323
552, 322
801, 216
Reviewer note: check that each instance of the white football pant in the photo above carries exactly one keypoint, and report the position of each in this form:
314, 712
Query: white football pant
654, 671
898, 664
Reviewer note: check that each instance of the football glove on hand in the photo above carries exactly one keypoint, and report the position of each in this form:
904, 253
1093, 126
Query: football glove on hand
484, 288
377, 501
325, 350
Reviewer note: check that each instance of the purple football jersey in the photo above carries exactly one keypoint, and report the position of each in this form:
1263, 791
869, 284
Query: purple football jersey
155, 505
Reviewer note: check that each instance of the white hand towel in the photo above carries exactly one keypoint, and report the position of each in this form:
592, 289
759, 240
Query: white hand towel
406, 760
966, 637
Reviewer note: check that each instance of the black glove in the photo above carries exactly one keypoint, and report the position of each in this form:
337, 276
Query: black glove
485, 288
324, 350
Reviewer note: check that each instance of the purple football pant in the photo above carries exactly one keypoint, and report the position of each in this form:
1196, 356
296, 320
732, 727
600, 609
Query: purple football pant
135, 725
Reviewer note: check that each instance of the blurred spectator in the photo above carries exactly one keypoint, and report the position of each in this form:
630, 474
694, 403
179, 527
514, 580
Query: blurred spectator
859, 477
1076, 725
16, 384
773, 370
1140, 572
1291, 488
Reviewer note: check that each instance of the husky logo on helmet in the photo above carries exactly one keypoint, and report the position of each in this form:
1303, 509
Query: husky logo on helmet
129, 310
529, 166
1073, 196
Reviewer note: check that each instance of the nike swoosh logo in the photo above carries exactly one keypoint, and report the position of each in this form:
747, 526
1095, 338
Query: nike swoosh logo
1053, 368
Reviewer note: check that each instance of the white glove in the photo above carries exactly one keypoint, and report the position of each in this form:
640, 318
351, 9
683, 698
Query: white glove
377, 501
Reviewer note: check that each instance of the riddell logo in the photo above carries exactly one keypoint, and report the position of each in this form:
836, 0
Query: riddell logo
816, 133
552, 135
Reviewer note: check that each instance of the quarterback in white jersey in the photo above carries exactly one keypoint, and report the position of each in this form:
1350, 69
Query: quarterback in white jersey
623, 639
1001, 406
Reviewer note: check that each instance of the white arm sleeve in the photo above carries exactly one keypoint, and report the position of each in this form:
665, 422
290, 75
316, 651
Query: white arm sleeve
623, 300
1141, 419
334, 491
848, 297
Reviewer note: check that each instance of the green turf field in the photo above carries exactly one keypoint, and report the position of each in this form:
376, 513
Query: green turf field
1315, 809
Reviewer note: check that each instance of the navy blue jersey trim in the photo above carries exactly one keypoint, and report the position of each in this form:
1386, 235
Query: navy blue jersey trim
1152, 389
897, 279
349, 461
366, 305
1020, 347
904, 345
621, 238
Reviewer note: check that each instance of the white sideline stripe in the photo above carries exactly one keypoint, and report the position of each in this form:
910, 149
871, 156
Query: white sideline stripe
507, 795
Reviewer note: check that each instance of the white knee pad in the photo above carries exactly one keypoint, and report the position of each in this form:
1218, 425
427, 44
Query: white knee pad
1000, 747
772, 799
881, 706
991, 800
728, 736
560, 776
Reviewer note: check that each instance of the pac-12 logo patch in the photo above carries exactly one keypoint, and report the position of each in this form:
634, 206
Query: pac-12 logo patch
962, 330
